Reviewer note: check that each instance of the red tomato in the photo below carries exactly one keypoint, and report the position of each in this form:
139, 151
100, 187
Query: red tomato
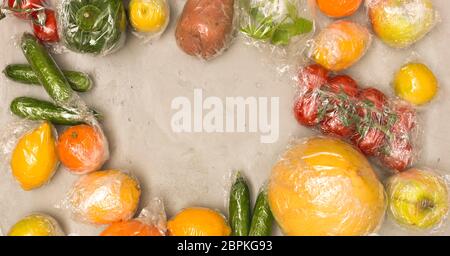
369, 143
313, 76
333, 124
343, 83
25, 8
306, 109
374, 96
406, 119
399, 154
49, 31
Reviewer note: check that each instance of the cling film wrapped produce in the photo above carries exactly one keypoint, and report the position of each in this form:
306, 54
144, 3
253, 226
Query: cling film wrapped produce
36, 224
384, 128
104, 197
92, 26
150, 222
149, 18
325, 187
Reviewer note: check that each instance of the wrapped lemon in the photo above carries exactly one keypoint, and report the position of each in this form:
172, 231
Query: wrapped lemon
198, 222
324, 186
37, 224
416, 83
149, 16
104, 197
34, 159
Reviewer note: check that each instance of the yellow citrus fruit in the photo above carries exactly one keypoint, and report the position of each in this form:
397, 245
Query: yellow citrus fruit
104, 197
324, 186
340, 45
416, 83
34, 159
198, 222
148, 15
36, 225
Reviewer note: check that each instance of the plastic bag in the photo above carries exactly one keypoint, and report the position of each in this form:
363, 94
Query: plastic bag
282, 26
324, 186
104, 197
39, 13
384, 128
150, 222
96, 27
29, 149
402, 23
340, 45
198, 221
36, 224
149, 18
205, 29
418, 199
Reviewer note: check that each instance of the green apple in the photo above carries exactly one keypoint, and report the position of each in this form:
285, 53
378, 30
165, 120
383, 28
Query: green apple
401, 23
418, 198
36, 225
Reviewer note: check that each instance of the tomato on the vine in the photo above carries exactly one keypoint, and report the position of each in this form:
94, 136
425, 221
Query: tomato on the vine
312, 76
374, 96
334, 124
370, 142
399, 154
45, 26
23, 9
406, 119
306, 108
343, 84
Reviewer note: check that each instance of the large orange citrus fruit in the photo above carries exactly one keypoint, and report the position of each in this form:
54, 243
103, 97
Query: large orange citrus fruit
324, 186
198, 222
339, 8
131, 228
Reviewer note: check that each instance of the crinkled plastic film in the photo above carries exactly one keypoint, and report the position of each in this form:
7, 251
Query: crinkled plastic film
37, 224
419, 199
150, 22
383, 128
281, 28
324, 186
96, 27
402, 23
205, 29
29, 150
104, 197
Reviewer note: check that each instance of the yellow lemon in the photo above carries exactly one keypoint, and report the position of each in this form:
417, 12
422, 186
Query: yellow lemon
341, 45
198, 222
324, 186
104, 197
416, 84
148, 15
34, 159
36, 225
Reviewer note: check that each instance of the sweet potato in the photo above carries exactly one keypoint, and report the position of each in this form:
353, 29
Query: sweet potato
205, 27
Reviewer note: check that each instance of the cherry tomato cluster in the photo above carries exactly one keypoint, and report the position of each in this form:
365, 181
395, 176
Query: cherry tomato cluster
339, 107
43, 19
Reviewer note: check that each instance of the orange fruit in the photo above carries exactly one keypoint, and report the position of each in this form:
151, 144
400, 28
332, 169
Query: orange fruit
198, 222
338, 8
324, 186
104, 197
131, 228
341, 45
82, 149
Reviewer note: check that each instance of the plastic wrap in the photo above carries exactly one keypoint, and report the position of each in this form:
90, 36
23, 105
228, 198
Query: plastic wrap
281, 26
198, 221
30, 150
36, 224
39, 13
82, 149
324, 186
150, 222
384, 128
96, 27
149, 18
340, 45
418, 199
401, 23
205, 29
104, 197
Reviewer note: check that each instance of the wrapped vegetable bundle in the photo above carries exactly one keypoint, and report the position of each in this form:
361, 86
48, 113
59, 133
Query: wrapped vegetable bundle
380, 127
93, 26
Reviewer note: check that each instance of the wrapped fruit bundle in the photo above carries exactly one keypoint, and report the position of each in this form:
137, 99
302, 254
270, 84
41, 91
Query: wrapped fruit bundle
39, 13
380, 127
